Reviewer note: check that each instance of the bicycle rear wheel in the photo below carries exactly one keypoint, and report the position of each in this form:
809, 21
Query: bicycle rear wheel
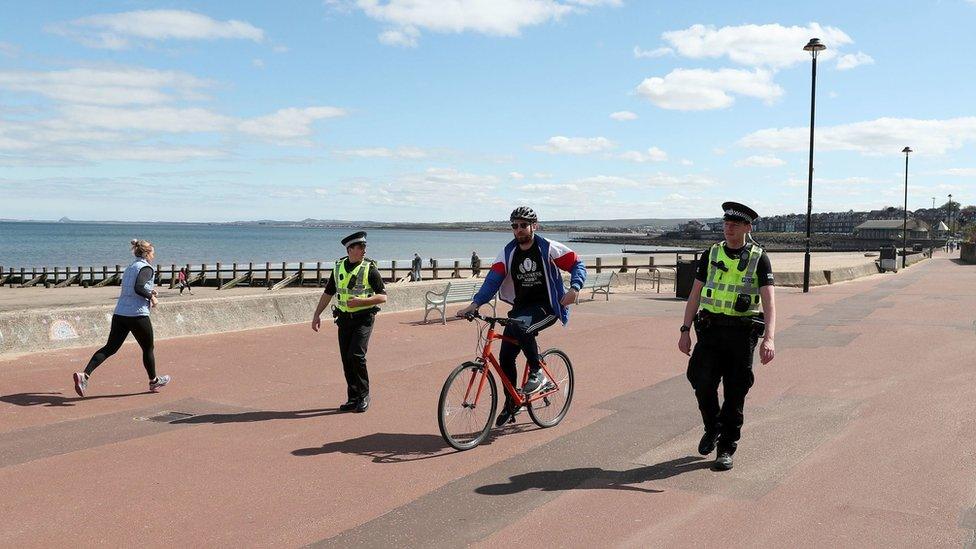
465, 412
551, 409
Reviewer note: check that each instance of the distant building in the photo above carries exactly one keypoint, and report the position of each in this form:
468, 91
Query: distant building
891, 229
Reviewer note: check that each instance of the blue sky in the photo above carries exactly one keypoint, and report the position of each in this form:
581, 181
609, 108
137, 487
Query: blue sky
422, 110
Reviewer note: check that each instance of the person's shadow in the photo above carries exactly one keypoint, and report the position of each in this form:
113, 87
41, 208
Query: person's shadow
261, 415
595, 478
55, 399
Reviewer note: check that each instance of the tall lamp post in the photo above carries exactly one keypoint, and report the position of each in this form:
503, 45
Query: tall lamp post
904, 228
950, 214
814, 47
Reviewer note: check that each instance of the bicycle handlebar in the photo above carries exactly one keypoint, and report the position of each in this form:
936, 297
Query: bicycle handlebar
504, 321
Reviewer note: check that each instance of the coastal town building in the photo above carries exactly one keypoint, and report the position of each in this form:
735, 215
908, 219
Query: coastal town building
891, 229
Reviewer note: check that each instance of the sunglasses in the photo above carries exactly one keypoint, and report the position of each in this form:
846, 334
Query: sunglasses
520, 225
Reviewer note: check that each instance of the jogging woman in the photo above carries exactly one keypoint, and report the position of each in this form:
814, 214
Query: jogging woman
131, 315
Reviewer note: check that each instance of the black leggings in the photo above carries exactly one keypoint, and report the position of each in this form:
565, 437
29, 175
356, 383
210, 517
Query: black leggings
141, 328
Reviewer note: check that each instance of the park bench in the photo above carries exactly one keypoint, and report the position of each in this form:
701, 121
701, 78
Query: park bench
598, 283
456, 291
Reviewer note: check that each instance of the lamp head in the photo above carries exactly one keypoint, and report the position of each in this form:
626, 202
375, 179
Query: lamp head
814, 46
907, 150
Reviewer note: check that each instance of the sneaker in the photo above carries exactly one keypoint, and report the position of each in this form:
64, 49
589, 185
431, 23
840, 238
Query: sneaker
723, 462
535, 382
507, 416
349, 405
160, 382
362, 405
708, 442
81, 383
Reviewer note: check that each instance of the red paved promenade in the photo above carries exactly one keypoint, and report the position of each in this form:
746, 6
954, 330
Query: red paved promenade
862, 432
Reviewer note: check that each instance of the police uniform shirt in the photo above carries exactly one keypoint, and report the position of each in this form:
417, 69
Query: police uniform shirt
375, 280
764, 270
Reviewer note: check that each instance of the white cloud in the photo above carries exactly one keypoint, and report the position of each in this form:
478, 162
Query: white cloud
851, 60
116, 30
257, 63
133, 86
516, 176
9, 50
575, 145
407, 18
772, 45
384, 152
686, 162
651, 54
701, 89
623, 115
157, 119
653, 154
767, 161
288, 124
963, 172
883, 136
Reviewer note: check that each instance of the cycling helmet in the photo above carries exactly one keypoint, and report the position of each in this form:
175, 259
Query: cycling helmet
523, 212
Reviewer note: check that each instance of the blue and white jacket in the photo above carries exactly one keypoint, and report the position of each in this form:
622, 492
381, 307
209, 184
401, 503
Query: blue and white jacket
499, 278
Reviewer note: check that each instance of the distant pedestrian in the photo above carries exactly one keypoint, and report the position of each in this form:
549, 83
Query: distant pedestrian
358, 288
182, 282
475, 264
734, 287
415, 267
132, 309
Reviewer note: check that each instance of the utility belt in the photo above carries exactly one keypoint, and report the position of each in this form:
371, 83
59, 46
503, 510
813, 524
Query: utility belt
707, 319
339, 316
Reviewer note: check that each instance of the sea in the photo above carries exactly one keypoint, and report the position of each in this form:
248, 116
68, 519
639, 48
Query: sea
48, 244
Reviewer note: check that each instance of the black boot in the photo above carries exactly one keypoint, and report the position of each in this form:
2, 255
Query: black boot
708, 442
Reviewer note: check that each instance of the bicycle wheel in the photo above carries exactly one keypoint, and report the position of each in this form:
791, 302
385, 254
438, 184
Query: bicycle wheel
463, 423
551, 409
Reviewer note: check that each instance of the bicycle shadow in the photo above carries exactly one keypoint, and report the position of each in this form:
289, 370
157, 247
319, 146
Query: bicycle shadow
400, 447
595, 478
262, 415
56, 399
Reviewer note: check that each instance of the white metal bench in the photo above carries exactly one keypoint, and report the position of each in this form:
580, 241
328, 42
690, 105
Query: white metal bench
460, 291
598, 283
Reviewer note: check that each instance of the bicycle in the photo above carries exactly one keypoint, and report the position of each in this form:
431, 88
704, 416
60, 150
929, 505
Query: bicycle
466, 407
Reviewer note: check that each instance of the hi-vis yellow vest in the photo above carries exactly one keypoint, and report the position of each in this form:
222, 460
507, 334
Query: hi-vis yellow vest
358, 287
722, 287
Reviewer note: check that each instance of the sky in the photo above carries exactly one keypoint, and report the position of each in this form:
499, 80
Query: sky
460, 110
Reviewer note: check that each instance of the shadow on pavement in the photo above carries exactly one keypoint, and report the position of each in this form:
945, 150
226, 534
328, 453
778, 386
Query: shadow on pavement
595, 478
245, 417
55, 399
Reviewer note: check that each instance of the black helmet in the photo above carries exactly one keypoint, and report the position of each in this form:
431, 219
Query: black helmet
523, 212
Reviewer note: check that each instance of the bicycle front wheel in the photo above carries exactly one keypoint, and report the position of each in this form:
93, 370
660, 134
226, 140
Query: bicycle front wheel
551, 409
467, 406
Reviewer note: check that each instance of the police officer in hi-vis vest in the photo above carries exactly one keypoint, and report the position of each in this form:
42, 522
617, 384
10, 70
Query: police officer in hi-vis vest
734, 288
358, 287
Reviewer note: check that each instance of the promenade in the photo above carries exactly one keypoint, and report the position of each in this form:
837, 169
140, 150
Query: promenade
862, 432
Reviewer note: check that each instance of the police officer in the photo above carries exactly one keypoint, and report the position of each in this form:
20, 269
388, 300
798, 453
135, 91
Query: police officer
734, 288
357, 283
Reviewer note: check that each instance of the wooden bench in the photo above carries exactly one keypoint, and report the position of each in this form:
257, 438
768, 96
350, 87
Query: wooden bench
456, 291
654, 275
598, 283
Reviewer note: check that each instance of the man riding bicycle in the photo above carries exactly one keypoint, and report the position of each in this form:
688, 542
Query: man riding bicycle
526, 275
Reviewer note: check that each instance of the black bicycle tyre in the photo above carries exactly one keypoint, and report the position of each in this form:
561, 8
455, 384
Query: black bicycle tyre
569, 396
442, 421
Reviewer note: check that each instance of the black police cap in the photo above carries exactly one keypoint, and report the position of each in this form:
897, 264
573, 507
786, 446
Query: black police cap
354, 238
738, 212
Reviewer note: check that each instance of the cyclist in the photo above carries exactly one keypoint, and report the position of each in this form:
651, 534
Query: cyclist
526, 275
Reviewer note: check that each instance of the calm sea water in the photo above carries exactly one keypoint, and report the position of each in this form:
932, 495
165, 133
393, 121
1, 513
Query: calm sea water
94, 244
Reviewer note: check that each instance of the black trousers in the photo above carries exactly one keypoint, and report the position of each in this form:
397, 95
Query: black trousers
141, 328
723, 354
354, 331
536, 319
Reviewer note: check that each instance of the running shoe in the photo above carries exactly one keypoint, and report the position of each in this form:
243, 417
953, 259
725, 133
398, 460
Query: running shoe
81, 383
158, 384
535, 382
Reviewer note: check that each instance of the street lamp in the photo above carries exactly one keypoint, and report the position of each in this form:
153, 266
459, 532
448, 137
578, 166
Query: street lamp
904, 228
950, 214
814, 47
